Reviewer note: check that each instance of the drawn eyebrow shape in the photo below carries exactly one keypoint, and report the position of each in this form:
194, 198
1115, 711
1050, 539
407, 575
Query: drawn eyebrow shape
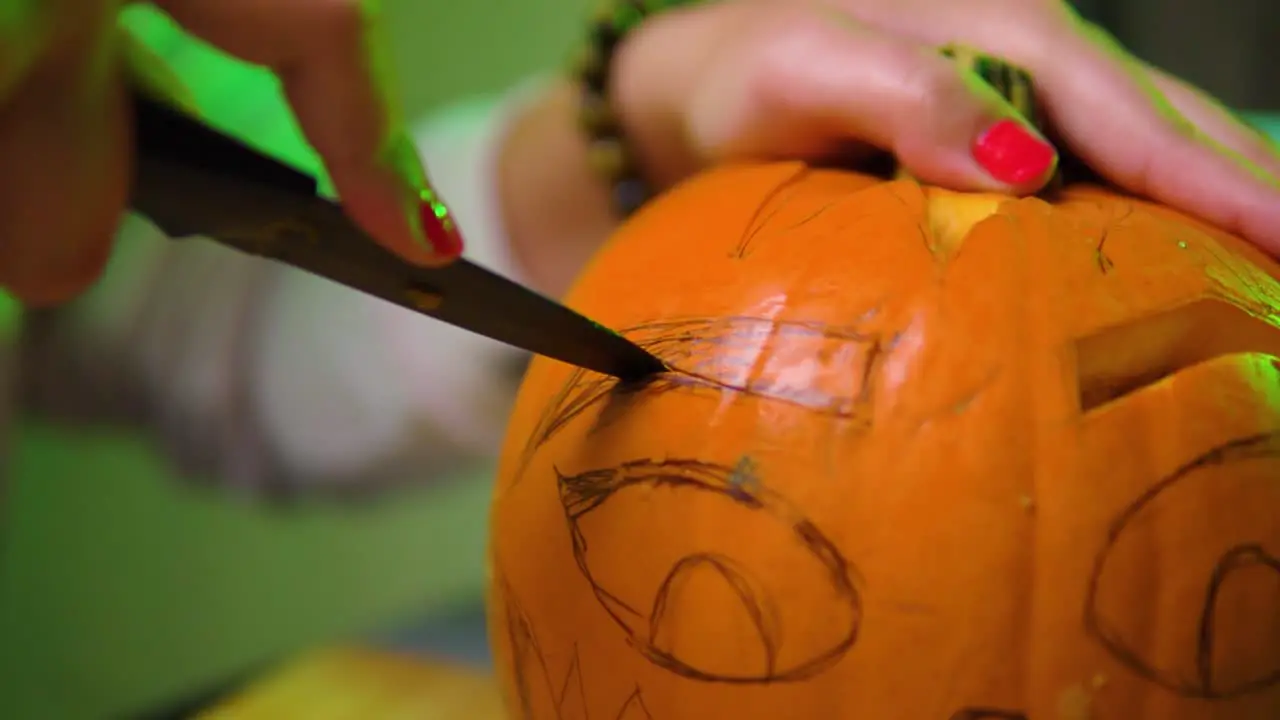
717, 355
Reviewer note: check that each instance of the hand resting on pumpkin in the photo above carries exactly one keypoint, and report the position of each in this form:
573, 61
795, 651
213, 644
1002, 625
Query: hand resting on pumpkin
834, 79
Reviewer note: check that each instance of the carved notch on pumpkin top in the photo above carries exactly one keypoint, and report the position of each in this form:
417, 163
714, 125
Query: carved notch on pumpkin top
1125, 359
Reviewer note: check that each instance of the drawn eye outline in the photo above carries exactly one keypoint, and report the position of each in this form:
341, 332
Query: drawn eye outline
1240, 555
582, 493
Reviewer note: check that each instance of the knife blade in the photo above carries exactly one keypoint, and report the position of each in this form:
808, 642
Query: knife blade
192, 180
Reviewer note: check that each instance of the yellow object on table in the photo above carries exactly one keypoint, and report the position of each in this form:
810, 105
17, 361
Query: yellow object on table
358, 684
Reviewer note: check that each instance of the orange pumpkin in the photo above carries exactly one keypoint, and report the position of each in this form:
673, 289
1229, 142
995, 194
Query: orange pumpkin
921, 455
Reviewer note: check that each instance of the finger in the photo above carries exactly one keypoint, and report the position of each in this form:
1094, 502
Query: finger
147, 70
26, 27
1216, 120
332, 59
1119, 123
817, 80
64, 178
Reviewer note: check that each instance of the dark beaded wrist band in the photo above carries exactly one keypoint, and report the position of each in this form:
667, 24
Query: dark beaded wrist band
608, 153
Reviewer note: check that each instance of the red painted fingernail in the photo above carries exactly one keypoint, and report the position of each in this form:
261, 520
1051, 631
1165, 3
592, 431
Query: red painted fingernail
1014, 154
438, 226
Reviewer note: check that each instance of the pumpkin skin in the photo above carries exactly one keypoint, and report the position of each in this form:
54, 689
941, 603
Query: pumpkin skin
922, 455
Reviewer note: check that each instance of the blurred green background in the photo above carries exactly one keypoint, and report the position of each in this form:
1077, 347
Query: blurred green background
120, 588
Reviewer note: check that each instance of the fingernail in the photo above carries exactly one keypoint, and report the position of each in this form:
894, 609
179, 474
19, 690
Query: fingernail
438, 225
1014, 154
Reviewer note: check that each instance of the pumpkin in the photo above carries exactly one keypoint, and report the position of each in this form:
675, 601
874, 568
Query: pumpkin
920, 454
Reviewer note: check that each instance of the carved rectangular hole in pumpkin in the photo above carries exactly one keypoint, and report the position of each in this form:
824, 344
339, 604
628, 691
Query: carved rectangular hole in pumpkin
1124, 359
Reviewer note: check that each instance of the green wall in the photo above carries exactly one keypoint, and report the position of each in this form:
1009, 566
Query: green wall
120, 588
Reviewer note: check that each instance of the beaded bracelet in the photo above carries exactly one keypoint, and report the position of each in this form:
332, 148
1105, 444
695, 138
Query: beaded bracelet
608, 152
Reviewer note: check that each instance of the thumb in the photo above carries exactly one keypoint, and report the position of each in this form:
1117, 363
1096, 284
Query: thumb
819, 85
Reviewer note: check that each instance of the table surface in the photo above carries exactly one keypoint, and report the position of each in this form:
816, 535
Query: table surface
351, 683
452, 644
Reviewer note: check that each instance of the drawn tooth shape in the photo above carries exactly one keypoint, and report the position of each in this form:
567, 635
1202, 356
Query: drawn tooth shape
531, 679
650, 599
634, 708
573, 700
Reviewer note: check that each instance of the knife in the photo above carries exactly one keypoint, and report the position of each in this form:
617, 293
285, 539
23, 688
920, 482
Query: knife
194, 181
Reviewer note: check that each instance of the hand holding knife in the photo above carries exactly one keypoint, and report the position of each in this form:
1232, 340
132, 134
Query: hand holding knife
195, 181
